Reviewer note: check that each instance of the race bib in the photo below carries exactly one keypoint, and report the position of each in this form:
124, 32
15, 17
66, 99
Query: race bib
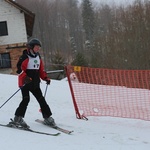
34, 63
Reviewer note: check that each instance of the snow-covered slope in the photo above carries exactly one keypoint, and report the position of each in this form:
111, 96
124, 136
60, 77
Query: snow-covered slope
98, 133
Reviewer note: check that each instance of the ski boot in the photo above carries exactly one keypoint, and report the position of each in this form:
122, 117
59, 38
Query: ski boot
19, 122
49, 121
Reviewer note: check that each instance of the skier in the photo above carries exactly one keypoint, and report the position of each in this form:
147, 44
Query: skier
30, 70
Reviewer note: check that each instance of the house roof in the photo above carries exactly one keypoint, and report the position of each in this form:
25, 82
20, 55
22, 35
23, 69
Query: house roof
29, 16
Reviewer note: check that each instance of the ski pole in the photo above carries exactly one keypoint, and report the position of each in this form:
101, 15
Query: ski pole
45, 91
44, 96
11, 96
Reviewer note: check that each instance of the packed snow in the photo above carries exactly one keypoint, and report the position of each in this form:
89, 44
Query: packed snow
98, 133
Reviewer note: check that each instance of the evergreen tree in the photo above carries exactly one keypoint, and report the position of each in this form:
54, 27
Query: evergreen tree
89, 27
73, 19
88, 20
58, 60
80, 60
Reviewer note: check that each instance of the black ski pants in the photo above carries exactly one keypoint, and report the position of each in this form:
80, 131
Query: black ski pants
21, 110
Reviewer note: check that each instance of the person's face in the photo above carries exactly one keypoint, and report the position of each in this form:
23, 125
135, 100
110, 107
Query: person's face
36, 48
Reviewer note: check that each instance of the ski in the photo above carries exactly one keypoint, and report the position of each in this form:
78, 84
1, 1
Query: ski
55, 127
29, 130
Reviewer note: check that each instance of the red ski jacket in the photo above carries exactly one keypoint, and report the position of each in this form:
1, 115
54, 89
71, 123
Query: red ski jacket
32, 66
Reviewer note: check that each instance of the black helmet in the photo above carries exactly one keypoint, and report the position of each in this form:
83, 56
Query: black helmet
33, 42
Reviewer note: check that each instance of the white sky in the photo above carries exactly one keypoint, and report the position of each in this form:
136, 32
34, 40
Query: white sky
117, 2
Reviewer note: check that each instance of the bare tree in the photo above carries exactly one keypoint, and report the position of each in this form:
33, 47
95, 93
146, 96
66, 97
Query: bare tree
121, 34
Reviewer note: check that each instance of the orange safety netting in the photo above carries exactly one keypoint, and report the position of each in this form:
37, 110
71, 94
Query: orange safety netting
109, 92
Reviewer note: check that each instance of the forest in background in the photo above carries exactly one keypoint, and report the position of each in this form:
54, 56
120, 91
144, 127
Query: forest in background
90, 34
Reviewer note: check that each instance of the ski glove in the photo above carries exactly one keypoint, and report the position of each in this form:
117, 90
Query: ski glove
27, 80
48, 80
